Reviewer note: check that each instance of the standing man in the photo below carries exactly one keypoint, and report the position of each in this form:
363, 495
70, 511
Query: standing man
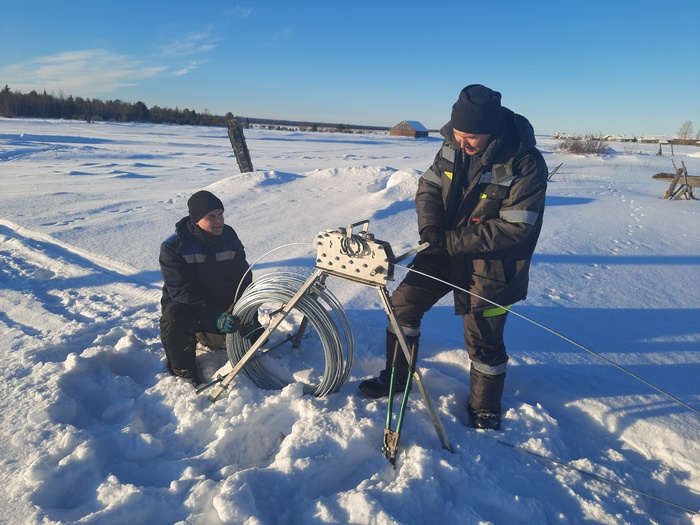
480, 206
203, 265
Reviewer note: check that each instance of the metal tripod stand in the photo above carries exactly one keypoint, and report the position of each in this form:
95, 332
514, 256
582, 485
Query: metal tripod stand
362, 259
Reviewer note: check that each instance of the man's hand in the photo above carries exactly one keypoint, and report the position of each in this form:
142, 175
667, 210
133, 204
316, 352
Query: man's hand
228, 323
435, 237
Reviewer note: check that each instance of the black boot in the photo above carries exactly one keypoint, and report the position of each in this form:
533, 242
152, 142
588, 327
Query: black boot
190, 375
379, 386
485, 392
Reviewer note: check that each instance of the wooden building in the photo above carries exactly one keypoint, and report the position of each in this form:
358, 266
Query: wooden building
409, 128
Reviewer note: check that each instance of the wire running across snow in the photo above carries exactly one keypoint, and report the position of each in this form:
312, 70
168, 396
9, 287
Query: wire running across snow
281, 287
561, 336
521, 316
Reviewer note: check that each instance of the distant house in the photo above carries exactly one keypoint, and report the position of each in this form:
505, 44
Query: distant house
686, 142
654, 139
409, 128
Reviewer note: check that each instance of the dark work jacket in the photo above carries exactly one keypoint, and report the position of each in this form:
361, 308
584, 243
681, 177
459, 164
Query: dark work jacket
203, 271
491, 206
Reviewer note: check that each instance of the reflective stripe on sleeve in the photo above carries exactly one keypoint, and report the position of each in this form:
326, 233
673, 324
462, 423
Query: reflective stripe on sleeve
226, 256
515, 216
431, 176
194, 258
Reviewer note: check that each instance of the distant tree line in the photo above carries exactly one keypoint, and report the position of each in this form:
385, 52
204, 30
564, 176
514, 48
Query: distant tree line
14, 104
46, 105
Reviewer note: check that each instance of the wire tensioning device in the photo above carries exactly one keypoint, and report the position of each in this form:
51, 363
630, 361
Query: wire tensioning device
361, 258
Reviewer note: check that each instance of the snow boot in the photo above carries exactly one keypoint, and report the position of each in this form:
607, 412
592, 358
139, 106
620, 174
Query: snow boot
483, 419
379, 386
190, 375
485, 392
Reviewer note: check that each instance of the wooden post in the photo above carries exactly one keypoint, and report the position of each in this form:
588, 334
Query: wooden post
672, 187
686, 189
240, 149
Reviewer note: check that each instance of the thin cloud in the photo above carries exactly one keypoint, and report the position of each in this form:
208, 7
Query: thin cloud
86, 72
188, 68
195, 43
93, 72
285, 34
240, 12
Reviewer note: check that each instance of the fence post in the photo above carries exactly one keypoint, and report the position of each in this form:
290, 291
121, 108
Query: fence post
240, 149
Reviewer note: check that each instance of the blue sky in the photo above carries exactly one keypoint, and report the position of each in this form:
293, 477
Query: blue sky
615, 66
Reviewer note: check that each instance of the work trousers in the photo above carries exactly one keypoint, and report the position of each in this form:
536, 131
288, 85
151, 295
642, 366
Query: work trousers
483, 330
179, 333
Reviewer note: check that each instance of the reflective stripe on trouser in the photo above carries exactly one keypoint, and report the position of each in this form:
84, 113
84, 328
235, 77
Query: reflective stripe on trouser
483, 335
408, 331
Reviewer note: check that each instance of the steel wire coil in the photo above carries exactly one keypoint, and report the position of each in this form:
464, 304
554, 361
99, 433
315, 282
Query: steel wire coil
323, 312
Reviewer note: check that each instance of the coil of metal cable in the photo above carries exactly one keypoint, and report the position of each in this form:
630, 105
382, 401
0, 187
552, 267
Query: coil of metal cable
323, 312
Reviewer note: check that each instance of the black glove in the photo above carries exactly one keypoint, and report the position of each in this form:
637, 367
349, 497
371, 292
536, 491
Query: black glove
435, 237
228, 323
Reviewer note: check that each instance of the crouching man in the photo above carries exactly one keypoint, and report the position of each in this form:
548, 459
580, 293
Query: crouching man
203, 265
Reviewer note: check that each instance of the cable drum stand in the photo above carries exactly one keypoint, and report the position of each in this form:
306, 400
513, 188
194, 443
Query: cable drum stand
362, 259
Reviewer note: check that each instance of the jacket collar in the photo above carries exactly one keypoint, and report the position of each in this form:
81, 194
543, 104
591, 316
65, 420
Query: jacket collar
192, 231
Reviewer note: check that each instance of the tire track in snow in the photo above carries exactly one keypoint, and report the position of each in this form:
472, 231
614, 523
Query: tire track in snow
54, 289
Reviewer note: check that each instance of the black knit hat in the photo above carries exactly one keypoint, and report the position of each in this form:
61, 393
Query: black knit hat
477, 110
202, 203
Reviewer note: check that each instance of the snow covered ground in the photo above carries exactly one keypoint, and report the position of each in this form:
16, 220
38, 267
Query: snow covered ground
94, 431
